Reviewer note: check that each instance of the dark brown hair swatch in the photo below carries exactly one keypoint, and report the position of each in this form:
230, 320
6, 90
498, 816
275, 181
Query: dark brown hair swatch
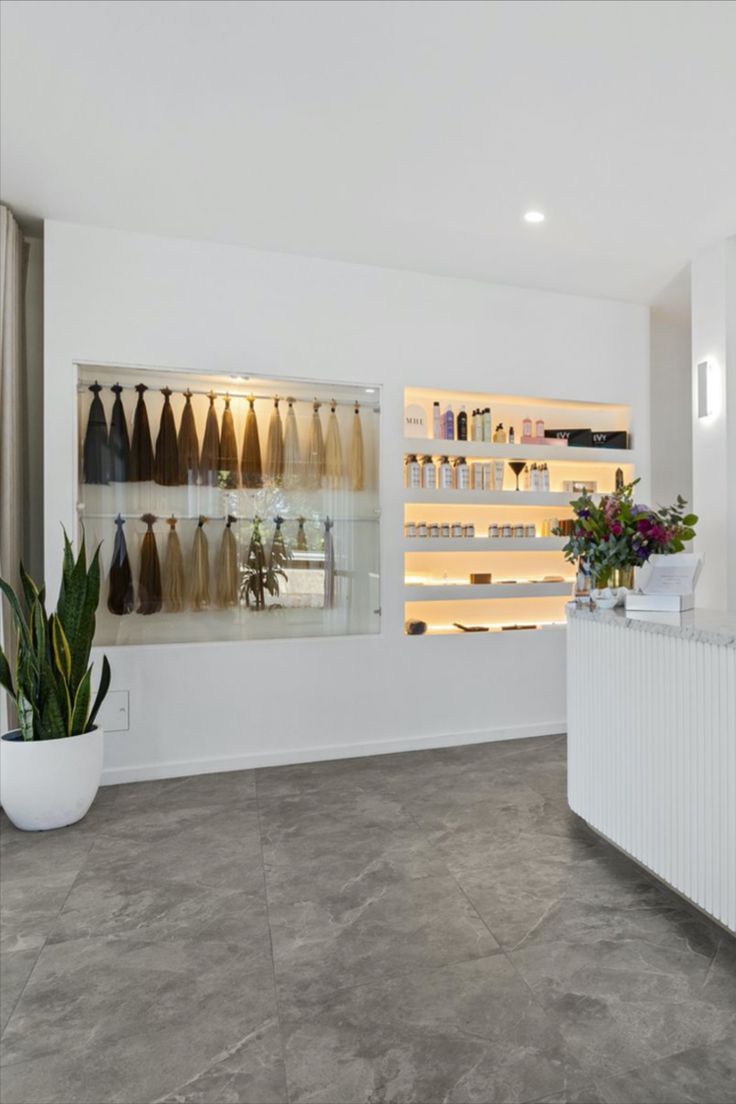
149, 580
251, 460
166, 463
141, 450
210, 455
188, 443
228, 462
120, 599
119, 440
96, 443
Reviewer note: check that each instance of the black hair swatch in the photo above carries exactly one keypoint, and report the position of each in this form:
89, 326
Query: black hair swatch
96, 443
119, 440
166, 463
120, 599
141, 449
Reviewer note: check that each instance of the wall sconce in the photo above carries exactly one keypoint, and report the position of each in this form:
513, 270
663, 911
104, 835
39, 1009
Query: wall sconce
705, 389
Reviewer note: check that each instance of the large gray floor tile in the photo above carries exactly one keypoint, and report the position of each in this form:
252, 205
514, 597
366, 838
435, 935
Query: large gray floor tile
329, 941
15, 969
251, 1072
622, 1003
465, 1032
341, 809
124, 1020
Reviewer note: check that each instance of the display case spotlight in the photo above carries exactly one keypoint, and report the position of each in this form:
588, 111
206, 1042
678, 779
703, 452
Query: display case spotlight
705, 389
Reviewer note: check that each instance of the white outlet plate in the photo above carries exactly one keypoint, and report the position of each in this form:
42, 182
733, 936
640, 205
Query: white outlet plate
114, 713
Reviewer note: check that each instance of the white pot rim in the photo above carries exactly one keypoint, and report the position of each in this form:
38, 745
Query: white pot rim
14, 737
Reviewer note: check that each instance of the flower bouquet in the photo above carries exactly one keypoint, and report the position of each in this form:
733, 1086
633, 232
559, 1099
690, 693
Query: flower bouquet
613, 536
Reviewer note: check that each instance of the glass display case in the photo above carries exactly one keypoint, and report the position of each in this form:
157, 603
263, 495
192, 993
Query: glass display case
229, 508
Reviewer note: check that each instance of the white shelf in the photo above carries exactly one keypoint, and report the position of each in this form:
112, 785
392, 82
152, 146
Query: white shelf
489, 498
484, 544
450, 630
485, 450
448, 592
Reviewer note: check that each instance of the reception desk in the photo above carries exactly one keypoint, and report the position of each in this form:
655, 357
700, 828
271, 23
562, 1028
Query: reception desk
652, 744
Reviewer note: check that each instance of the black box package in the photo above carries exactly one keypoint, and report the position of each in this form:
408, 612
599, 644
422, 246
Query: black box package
611, 438
576, 438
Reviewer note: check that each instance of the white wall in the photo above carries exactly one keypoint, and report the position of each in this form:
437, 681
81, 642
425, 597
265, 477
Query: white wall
714, 449
119, 297
33, 519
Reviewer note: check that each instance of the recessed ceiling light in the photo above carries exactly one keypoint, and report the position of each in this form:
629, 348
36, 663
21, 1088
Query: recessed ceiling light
534, 216
370, 390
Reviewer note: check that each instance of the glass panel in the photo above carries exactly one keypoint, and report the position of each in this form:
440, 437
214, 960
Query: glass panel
219, 514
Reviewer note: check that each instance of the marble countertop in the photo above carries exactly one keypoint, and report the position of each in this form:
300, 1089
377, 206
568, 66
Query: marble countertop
705, 625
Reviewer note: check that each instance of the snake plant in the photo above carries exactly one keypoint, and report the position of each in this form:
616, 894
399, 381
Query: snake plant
51, 683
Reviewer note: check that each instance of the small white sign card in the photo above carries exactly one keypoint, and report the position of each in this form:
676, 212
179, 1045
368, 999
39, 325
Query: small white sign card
415, 421
676, 574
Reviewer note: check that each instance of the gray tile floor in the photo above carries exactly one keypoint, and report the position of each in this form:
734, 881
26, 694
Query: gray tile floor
419, 928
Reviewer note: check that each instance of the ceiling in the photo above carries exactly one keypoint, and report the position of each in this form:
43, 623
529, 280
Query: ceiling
406, 133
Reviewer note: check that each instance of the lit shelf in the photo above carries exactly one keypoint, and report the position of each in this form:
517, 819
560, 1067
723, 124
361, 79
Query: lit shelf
484, 544
450, 630
489, 498
449, 592
485, 450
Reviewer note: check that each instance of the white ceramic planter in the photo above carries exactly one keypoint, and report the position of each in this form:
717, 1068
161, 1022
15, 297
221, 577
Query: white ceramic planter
49, 783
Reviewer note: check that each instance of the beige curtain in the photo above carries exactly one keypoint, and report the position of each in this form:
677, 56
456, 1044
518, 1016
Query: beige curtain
13, 257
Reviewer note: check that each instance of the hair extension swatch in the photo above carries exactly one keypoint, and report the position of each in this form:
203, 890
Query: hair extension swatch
250, 464
228, 462
333, 451
173, 570
140, 468
301, 537
228, 575
210, 456
188, 444
293, 463
199, 569
149, 579
357, 460
120, 598
119, 440
166, 462
96, 443
329, 568
274, 466
316, 453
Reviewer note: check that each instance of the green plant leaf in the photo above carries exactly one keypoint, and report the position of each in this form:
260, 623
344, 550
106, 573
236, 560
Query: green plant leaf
690, 520
6, 675
78, 716
102, 689
20, 621
61, 649
53, 724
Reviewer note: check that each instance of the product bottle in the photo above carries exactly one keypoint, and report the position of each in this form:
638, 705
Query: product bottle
539, 428
545, 477
526, 427
462, 425
512, 438
449, 419
619, 479
486, 436
499, 437
447, 475
534, 478
413, 473
429, 474
462, 475
436, 421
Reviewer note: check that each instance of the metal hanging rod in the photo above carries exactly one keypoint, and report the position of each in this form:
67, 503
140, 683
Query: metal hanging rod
221, 393
217, 517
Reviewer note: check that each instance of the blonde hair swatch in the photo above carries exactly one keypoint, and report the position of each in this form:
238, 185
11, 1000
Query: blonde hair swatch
356, 453
199, 569
293, 464
316, 453
250, 465
274, 466
173, 593
333, 451
228, 575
